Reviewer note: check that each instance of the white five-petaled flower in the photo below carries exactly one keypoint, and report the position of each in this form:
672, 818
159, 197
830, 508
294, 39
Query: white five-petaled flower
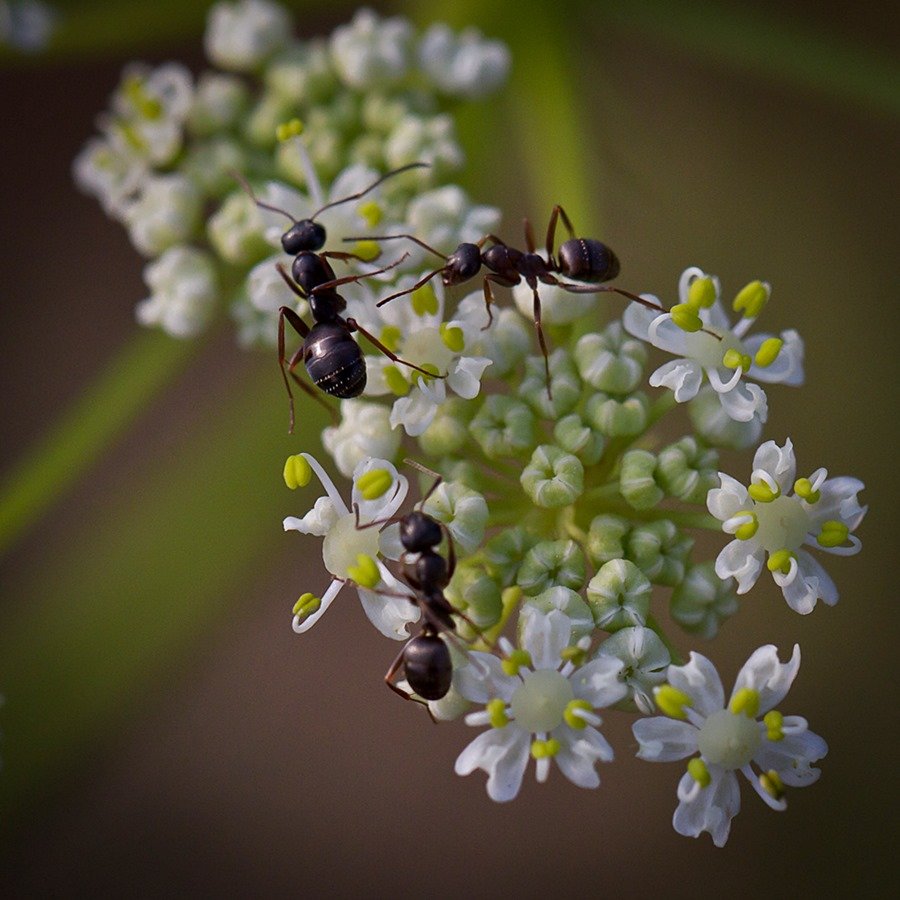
683, 332
351, 551
729, 739
776, 515
539, 704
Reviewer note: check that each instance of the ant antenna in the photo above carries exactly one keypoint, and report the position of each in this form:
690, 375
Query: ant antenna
371, 187
425, 471
246, 186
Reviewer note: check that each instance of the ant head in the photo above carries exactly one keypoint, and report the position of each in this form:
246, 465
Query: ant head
303, 235
462, 264
418, 532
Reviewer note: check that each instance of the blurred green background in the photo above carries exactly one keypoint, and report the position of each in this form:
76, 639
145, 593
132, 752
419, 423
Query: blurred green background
164, 731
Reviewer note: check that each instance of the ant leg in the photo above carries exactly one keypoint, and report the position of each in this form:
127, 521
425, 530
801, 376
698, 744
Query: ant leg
415, 287
290, 283
285, 312
540, 333
391, 673
529, 236
347, 279
374, 522
393, 237
425, 470
311, 391
353, 325
492, 238
558, 212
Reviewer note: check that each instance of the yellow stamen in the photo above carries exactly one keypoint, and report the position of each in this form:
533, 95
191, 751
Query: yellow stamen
365, 573
762, 493
833, 534
297, 471
371, 212
286, 130
545, 749
307, 605
374, 483
573, 720
772, 784
734, 358
452, 336
515, 661
672, 701
780, 561
803, 488
496, 709
395, 381
424, 300
366, 250
574, 655
390, 336
774, 722
747, 530
698, 771
768, 352
701, 293
751, 299
685, 317
745, 701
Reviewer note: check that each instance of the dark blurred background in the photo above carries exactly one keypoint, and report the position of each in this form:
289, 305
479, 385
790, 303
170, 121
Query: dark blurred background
165, 732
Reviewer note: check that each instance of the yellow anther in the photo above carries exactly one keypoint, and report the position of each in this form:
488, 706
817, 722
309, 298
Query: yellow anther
751, 299
366, 250
803, 488
772, 784
545, 749
430, 368
496, 709
833, 534
374, 483
424, 300
572, 719
365, 573
297, 471
453, 338
371, 212
734, 359
701, 293
747, 530
307, 605
147, 106
574, 655
780, 561
774, 722
685, 317
395, 381
515, 661
745, 701
553, 747
132, 136
390, 336
672, 701
286, 130
698, 771
762, 493
768, 352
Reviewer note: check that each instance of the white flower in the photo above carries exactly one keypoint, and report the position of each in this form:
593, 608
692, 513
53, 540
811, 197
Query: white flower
218, 101
729, 739
538, 706
505, 343
413, 327
417, 139
464, 64
724, 362
364, 431
239, 36
167, 212
350, 552
110, 173
644, 659
26, 25
183, 292
371, 52
776, 516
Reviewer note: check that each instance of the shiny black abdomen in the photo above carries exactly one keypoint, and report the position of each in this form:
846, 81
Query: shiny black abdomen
334, 360
428, 667
585, 259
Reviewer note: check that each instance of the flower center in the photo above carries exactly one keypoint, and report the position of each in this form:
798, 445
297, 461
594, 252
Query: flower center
708, 351
729, 740
540, 702
783, 523
343, 544
425, 345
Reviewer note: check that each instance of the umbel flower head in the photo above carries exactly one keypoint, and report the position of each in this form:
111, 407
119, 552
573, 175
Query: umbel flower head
748, 735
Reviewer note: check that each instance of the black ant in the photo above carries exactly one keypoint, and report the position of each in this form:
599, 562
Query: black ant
333, 360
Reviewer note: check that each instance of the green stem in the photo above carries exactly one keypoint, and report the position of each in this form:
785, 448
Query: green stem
140, 370
511, 598
686, 518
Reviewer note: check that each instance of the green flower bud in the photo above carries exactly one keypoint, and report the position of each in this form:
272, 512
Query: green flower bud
688, 470
464, 512
703, 601
660, 551
618, 417
637, 483
565, 385
503, 426
302, 75
448, 430
382, 113
611, 361
575, 436
219, 101
551, 563
462, 470
716, 427
619, 595
552, 478
504, 554
235, 231
565, 600
605, 539
474, 592
209, 165
644, 659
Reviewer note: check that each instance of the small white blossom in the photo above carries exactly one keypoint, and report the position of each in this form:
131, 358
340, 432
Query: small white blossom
167, 212
183, 292
747, 732
724, 361
364, 431
371, 52
505, 343
418, 139
218, 101
776, 516
110, 173
351, 552
239, 36
538, 705
644, 659
465, 64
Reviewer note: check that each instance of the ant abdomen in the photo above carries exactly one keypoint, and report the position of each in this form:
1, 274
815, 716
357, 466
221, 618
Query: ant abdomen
334, 360
428, 666
584, 259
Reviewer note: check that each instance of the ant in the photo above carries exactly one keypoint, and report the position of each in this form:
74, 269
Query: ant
584, 259
333, 360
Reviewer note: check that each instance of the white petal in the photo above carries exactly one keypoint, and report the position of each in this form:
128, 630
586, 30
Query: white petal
788, 365
708, 809
682, 376
729, 499
392, 616
328, 484
503, 754
545, 636
317, 521
663, 739
765, 674
389, 502
637, 318
580, 752
598, 682
415, 412
483, 679
301, 625
778, 461
465, 378
666, 335
741, 560
838, 502
389, 543
792, 757
745, 402
805, 583
699, 679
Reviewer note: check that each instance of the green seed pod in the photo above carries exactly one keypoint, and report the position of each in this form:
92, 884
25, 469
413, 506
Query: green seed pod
567, 601
504, 554
448, 430
503, 426
552, 563
605, 539
716, 427
637, 481
660, 550
611, 361
619, 595
618, 416
475, 593
576, 436
703, 601
236, 233
565, 385
553, 478
464, 512
688, 470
